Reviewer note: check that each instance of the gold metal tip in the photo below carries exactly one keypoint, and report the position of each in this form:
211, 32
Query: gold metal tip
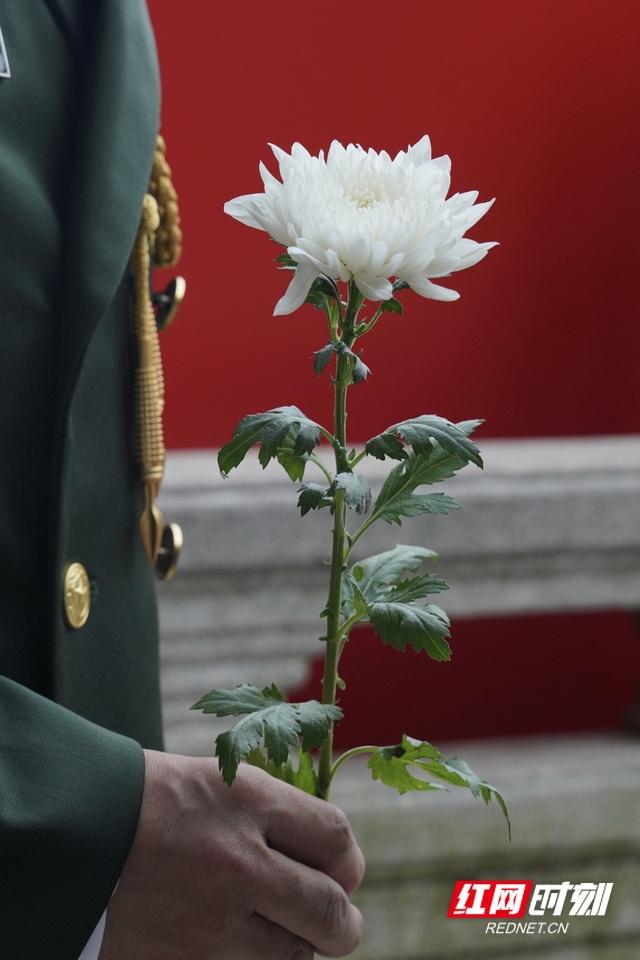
169, 553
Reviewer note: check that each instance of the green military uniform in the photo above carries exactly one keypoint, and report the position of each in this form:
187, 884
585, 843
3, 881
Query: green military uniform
78, 124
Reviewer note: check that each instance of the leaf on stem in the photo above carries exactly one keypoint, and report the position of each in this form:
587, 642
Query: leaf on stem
312, 496
303, 776
415, 588
357, 491
399, 501
293, 463
391, 306
272, 430
360, 370
322, 357
385, 569
423, 628
391, 765
373, 590
266, 721
424, 434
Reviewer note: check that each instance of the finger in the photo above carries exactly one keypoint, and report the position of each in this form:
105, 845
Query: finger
263, 940
310, 905
317, 833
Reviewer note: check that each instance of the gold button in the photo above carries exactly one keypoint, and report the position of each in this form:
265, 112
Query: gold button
77, 595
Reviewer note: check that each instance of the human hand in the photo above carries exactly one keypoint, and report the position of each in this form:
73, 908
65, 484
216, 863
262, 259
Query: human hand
256, 871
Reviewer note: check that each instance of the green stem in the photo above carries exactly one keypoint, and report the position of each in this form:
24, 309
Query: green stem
361, 529
338, 552
321, 466
356, 460
354, 752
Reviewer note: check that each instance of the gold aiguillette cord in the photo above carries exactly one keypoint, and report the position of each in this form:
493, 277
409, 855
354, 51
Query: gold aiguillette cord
158, 242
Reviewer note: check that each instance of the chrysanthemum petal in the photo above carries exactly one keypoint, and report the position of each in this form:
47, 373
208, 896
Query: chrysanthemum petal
425, 288
374, 288
296, 291
244, 209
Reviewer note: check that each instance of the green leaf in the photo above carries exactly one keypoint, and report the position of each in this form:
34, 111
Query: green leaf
385, 569
357, 491
353, 601
424, 628
391, 306
322, 357
360, 370
322, 287
407, 504
424, 434
287, 261
391, 766
303, 776
312, 496
293, 463
271, 430
415, 588
396, 497
266, 720
387, 765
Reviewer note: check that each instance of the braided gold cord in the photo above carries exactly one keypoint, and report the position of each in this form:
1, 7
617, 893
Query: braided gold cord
168, 239
158, 243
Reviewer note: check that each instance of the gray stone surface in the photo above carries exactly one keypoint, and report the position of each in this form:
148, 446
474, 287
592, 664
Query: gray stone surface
548, 525
575, 807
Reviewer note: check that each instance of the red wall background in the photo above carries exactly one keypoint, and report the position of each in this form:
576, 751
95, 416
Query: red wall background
536, 102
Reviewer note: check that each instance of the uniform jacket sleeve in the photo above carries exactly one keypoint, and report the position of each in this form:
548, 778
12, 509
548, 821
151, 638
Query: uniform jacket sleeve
78, 120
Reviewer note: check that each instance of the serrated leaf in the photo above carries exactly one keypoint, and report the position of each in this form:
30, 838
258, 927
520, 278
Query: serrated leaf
293, 463
360, 370
387, 765
265, 720
353, 600
312, 496
270, 430
396, 497
385, 569
357, 491
407, 504
424, 434
386, 445
303, 776
391, 306
390, 766
415, 588
423, 628
322, 357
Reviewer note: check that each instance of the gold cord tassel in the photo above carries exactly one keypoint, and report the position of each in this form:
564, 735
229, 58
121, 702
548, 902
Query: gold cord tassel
149, 384
159, 243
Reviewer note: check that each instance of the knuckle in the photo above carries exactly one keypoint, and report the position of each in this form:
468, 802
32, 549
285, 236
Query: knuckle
335, 915
342, 836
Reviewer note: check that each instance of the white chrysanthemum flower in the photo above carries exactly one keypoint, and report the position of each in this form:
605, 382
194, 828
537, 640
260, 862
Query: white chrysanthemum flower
363, 215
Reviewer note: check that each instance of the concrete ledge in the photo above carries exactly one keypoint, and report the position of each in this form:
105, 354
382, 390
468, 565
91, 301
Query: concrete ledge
548, 525
575, 808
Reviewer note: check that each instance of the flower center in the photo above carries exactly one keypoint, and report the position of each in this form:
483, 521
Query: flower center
363, 195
